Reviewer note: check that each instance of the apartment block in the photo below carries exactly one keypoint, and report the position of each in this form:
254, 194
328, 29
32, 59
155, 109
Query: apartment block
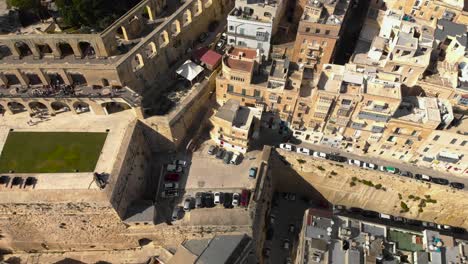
252, 23
430, 10
446, 149
411, 125
334, 237
272, 86
401, 47
352, 106
235, 125
319, 32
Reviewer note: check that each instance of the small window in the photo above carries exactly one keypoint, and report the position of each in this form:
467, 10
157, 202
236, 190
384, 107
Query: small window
317, 31
327, 32
230, 88
436, 138
463, 143
244, 92
453, 141
256, 93
231, 28
426, 149
267, 14
307, 30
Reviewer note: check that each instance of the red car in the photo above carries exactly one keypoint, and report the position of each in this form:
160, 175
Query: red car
172, 177
245, 195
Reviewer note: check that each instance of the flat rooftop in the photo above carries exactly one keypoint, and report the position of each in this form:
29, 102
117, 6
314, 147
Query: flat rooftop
332, 12
419, 110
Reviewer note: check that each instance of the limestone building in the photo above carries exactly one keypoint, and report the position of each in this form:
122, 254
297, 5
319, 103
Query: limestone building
430, 10
401, 47
272, 86
252, 23
235, 125
319, 32
352, 106
129, 65
415, 119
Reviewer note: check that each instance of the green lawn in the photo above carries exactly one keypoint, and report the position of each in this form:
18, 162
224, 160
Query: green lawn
49, 152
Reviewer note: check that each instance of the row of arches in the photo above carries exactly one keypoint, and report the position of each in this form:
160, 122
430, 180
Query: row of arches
21, 49
163, 38
58, 107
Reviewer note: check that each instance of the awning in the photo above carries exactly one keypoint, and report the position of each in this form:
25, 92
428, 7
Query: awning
189, 70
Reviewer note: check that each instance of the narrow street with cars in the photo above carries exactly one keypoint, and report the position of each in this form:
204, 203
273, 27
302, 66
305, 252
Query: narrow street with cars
397, 169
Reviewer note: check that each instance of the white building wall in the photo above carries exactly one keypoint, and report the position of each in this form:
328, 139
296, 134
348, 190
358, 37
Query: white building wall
243, 32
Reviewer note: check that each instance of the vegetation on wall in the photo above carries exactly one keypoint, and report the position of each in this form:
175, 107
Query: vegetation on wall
95, 14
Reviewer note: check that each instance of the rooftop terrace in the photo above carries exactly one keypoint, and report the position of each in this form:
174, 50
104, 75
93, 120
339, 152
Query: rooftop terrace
330, 12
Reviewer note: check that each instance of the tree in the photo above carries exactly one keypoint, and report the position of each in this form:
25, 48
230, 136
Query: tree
25, 4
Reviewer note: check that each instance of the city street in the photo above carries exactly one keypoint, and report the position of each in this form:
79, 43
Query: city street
271, 136
284, 213
399, 165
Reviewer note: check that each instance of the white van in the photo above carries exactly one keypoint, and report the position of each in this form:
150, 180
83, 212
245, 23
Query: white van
173, 168
171, 185
385, 216
234, 159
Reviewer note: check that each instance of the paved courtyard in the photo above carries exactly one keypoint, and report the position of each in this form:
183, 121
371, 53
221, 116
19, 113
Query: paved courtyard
208, 173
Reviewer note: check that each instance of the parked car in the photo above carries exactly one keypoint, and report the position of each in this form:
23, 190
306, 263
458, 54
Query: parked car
227, 157
173, 168
339, 208
444, 227
175, 213
217, 197
220, 44
457, 185
220, 154
370, 214
287, 147
181, 163
212, 150
354, 162
440, 181
234, 159
208, 199
245, 195
289, 196
391, 169
321, 155
202, 37
253, 172
235, 199
170, 193
173, 177
421, 177
337, 158
171, 185
187, 204
227, 201
305, 151
198, 200
406, 174
286, 244
385, 216
429, 224
370, 166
